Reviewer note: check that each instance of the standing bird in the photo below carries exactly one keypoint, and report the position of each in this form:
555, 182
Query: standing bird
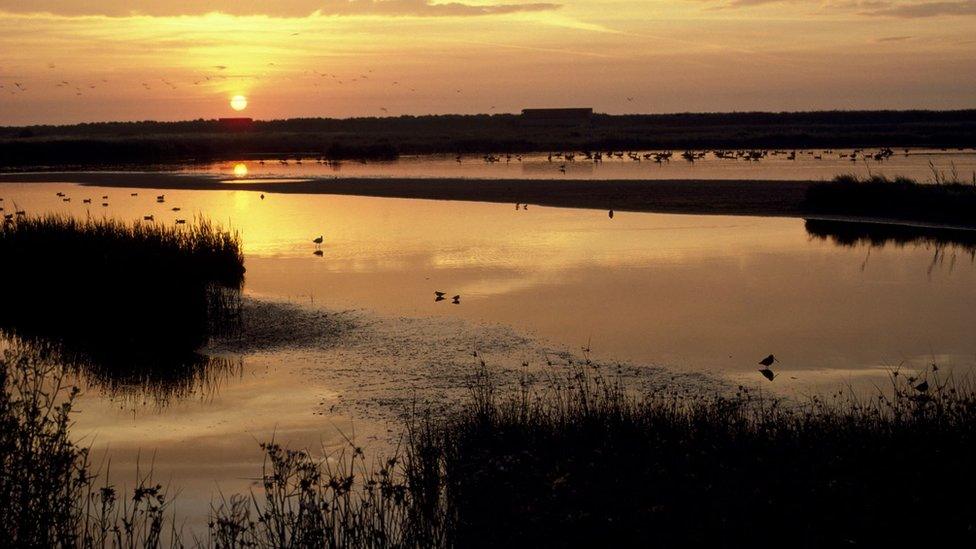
318, 241
766, 371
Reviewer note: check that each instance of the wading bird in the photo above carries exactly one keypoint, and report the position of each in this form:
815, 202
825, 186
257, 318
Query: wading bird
765, 371
318, 241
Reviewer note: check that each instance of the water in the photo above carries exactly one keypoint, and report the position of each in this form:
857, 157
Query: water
709, 294
808, 165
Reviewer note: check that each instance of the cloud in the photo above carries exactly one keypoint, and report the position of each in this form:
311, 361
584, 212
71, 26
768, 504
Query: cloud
882, 8
925, 9
280, 8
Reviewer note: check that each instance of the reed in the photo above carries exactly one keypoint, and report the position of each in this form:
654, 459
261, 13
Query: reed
946, 201
107, 285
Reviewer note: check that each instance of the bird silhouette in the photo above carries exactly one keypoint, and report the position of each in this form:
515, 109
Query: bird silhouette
610, 213
318, 241
768, 361
456, 300
439, 294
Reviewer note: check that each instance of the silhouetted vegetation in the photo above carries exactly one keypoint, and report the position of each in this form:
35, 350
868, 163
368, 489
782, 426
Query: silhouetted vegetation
114, 143
583, 463
894, 199
111, 289
48, 491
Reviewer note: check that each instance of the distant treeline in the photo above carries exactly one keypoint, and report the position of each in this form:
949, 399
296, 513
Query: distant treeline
112, 143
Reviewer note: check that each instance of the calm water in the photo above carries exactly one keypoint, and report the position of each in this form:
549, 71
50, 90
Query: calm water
809, 165
694, 293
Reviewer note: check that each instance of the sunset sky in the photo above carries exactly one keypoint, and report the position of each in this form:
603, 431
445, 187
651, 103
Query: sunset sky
90, 60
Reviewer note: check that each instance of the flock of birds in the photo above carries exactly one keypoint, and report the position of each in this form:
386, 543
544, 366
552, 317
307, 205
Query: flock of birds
692, 156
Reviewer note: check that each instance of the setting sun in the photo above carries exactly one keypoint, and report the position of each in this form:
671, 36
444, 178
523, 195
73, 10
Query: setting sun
238, 103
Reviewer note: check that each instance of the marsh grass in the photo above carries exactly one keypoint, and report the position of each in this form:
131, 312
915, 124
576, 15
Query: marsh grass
49, 496
947, 201
580, 462
106, 285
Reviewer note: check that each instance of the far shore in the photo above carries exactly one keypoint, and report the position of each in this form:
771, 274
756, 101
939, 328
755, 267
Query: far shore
684, 196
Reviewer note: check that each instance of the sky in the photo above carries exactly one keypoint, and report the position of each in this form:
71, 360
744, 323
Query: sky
67, 61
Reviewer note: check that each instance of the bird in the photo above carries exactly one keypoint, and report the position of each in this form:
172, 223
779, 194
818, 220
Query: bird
262, 196
439, 294
105, 197
456, 300
147, 218
86, 201
438, 298
104, 204
318, 241
181, 222
134, 194
176, 209
610, 213
768, 361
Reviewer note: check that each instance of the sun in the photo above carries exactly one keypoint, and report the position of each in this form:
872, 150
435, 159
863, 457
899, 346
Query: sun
238, 102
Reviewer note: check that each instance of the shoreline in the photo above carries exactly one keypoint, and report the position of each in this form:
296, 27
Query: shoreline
735, 197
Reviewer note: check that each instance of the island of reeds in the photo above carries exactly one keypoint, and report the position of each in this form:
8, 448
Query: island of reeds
579, 462
111, 288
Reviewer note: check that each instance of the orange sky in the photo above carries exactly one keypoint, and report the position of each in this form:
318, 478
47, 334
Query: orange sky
89, 60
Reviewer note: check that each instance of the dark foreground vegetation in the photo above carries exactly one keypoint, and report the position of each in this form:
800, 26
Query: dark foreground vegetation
944, 202
114, 290
582, 463
118, 143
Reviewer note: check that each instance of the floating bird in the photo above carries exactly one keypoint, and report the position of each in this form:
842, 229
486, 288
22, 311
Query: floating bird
86, 201
456, 300
176, 209
148, 218
105, 197
134, 194
104, 204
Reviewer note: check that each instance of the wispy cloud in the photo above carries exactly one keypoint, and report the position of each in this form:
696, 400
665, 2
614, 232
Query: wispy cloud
281, 8
876, 8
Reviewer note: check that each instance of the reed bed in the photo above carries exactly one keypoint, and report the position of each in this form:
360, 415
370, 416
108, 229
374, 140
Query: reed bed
947, 201
109, 285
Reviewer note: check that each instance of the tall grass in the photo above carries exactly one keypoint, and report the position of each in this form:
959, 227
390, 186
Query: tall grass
579, 463
900, 199
586, 464
109, 285
49, 496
